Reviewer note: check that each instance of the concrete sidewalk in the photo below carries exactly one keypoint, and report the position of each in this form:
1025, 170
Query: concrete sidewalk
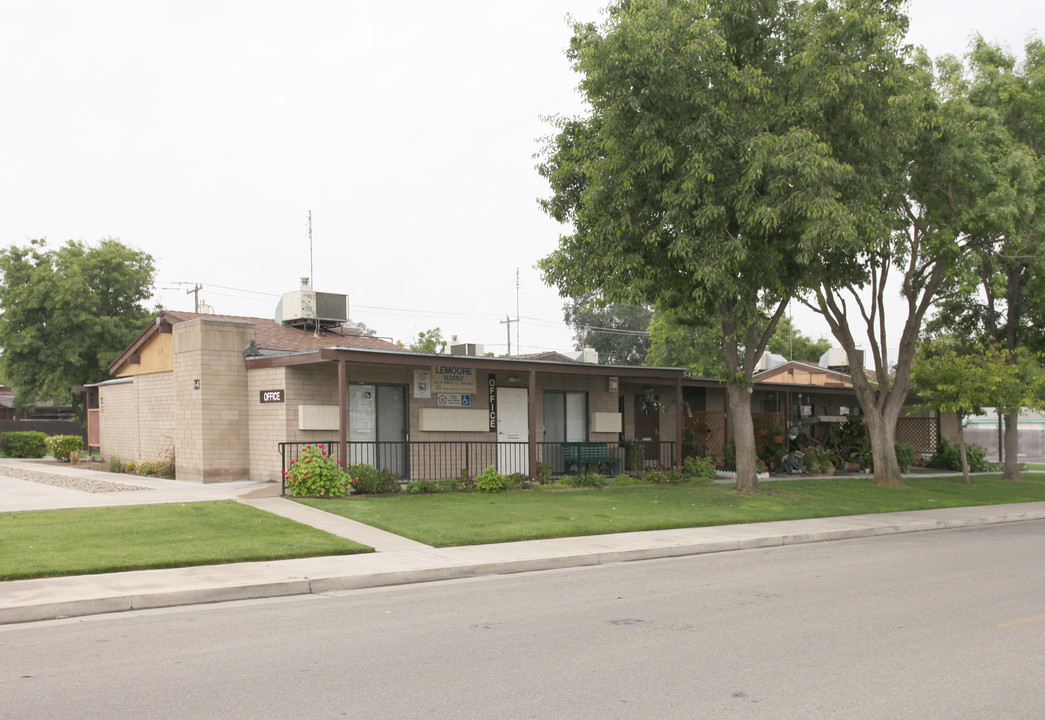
48, 598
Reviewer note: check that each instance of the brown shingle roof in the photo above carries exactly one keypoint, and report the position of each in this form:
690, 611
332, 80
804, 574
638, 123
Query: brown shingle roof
268, 334
272, 336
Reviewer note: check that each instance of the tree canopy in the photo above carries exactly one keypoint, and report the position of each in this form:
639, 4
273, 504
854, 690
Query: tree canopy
67, 313
1001, 297
722, 164
619, 332
429, 341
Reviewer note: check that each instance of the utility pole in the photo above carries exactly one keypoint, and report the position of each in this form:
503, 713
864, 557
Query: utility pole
518, 342
195, 292
508, 321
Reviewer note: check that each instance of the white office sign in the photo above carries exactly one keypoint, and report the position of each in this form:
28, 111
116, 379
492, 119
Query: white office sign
423, 384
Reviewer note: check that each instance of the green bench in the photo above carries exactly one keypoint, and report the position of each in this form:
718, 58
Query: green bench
580, 455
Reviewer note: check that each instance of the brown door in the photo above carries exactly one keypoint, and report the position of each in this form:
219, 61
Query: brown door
647, 425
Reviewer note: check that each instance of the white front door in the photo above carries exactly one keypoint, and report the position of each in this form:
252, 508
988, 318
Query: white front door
513, 434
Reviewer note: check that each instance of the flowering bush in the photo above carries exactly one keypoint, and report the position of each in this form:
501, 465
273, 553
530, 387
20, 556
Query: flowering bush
700, 468
366, 480
61, 445
760, 466
316, 473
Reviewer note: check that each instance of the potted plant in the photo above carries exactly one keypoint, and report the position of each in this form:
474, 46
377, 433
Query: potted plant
778, 435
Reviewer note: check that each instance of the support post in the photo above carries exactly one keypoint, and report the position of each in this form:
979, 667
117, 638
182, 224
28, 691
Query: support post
679, 428
342, 407
531, 421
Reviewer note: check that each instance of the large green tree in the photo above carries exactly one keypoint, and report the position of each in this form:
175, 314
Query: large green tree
960, 186
67, 313
964, 378
716, 170
1003, 300
619, 332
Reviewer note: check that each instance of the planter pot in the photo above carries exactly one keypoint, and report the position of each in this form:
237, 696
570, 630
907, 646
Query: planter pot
763, 433
829, 471
778, 439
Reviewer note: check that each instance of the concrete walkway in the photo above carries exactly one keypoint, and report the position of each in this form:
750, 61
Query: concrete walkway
404, 561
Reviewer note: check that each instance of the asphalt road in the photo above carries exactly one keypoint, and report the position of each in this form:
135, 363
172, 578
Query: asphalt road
947, 624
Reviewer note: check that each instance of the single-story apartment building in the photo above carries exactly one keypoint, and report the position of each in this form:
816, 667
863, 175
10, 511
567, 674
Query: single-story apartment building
233, 398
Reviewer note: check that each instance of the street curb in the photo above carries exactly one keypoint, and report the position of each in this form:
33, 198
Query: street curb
453, 564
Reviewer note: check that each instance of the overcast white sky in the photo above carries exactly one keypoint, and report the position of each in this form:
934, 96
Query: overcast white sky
203, 132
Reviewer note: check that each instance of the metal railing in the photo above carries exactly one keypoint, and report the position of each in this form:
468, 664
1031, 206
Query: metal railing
435, 460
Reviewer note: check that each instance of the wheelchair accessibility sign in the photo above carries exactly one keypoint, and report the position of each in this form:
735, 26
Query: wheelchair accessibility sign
452, 400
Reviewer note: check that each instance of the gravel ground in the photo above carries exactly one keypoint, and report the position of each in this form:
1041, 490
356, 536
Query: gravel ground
89, 485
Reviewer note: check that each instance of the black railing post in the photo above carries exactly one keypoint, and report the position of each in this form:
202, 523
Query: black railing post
283, 469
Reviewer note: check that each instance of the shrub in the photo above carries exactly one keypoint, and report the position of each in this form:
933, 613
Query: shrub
316, 473
590, 480
61, 445
366, 480
156, 469
115, 465
700, 468
904, 456
451, 485
730, 457
544, 473
634, 456
654, 477
26, 444
491, 481
948, 457
424, 486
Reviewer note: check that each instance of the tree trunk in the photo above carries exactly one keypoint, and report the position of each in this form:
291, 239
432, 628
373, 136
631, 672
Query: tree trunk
881, 425
961, 450
739, 398
1012, 447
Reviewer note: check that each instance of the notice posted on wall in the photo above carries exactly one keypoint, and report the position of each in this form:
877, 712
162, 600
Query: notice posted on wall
422, 384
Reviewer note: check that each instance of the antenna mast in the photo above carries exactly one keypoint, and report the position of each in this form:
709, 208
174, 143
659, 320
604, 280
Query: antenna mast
311, 268
518, 343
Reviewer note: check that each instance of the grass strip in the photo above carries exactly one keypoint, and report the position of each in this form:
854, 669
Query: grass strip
450, 519
97, 540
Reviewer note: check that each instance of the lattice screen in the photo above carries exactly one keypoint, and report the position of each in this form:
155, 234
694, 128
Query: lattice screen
921, 432
707, 429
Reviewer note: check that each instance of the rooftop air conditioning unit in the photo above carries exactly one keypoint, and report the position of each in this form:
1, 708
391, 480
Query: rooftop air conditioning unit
468, 349
836, 359
308, 307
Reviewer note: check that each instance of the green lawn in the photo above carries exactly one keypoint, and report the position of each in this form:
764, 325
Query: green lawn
1036, 466
96, 540
450, 519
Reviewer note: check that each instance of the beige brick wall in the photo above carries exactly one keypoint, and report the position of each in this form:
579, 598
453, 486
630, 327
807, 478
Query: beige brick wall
212, 421
137, 419
118, 421
267, 422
